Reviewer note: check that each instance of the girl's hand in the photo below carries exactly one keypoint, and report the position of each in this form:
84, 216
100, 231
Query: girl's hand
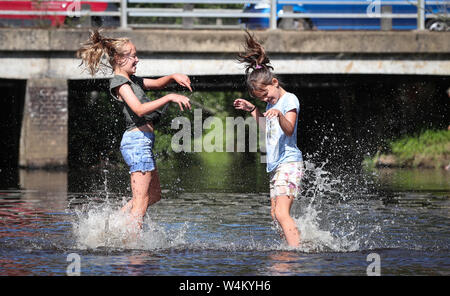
180, 100
242, 104
182, 80
272, 113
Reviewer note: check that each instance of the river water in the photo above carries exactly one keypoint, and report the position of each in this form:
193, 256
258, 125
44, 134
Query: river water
215, 220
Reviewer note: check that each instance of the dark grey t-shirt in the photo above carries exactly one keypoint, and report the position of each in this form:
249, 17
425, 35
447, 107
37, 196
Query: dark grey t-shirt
137, 85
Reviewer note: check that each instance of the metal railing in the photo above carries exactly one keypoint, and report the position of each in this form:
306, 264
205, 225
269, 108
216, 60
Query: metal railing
381, 13
187, 12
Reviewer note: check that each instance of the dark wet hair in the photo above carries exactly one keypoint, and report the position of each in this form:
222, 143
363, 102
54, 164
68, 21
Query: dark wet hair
257, 66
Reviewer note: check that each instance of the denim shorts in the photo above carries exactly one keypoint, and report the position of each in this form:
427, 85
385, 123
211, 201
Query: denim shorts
137, 150
286, 179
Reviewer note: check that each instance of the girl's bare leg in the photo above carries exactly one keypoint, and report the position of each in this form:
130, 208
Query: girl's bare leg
127, 207
137, 206
282, 214
274, 218
272, 209
154, 190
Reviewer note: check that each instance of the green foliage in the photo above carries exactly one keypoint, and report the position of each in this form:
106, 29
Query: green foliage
214, 103
369, 162
431, 148
429, 144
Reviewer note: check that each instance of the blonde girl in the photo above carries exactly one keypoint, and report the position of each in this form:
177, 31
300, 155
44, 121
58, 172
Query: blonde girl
140, 112
284, 159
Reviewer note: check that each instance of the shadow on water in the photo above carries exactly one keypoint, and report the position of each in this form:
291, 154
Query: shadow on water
12, 102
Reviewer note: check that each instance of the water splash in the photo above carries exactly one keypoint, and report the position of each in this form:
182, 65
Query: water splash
327, 219
99, 223
105, 226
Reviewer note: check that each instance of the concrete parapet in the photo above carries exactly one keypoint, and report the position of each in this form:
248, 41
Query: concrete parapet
230, 41
35, 54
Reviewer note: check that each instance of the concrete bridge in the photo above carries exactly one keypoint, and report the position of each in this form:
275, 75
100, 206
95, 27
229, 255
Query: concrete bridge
30, 54
46, 59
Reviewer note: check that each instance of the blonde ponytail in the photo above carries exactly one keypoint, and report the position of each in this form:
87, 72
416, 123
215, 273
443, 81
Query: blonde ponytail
98, 48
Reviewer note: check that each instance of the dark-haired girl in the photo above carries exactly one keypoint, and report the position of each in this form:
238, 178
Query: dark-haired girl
284, 159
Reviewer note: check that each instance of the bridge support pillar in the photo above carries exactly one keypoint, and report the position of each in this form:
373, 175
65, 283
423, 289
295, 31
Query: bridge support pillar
43, 138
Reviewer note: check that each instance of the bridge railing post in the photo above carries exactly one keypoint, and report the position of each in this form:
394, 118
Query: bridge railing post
123, 14
421, 15
188, 22
287, 23
273, 14
386, 23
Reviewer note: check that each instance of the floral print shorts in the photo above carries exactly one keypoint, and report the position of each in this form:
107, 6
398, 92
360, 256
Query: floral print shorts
286, 179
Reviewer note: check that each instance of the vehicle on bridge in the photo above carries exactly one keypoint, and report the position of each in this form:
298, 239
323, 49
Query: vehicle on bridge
33, 13
350, 14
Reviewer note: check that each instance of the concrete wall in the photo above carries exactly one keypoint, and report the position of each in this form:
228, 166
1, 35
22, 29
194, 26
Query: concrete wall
275, 41
27, 53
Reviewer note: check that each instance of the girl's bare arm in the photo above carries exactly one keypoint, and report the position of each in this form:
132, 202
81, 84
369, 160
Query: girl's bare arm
287, 121
127, 94
245, 105
162, 82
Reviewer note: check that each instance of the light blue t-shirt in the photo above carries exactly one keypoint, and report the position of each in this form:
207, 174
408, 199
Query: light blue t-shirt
279, 147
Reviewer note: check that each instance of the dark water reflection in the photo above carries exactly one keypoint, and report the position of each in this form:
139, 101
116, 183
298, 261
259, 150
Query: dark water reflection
214, 220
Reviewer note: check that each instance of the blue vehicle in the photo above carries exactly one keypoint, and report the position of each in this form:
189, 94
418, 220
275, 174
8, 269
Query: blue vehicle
363, 18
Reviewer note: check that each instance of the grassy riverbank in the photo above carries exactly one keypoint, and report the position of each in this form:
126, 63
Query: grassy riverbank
430, 149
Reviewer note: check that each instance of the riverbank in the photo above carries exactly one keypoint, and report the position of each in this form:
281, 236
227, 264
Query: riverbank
430, 149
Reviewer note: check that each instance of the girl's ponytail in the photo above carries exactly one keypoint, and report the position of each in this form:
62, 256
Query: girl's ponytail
97, 48
254, 56
257, 65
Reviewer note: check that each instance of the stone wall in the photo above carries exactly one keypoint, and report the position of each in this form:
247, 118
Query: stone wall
43, 140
